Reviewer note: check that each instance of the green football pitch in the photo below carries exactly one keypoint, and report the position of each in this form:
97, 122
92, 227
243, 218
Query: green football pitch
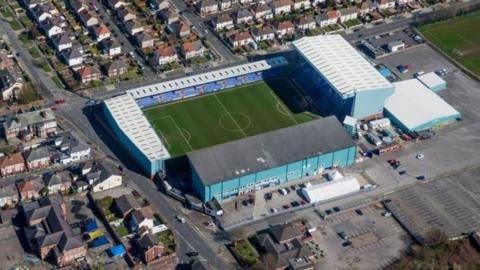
228, 115
458, 37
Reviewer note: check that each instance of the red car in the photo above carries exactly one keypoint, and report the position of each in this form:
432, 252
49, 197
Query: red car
60, 101
391, 161
54, 109
302, 202
286, 206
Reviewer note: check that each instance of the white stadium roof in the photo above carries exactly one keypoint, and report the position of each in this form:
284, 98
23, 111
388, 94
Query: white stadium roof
136, 127
414, 105
340, 64
207, 77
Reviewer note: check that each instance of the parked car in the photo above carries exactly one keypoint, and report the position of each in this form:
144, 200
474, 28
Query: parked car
359, 212
387, 214
295, 204
268, 196
421, 177
286, 206
336, 209
273, 210
283, 191
402, 172
343, 235
328, 211
302, 202
420, 156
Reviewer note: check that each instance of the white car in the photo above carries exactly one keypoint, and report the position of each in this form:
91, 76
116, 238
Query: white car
180, 219
387, 214
420, 156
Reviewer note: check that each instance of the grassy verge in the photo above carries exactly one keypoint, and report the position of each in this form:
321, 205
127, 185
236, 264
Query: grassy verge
15, 25
34, 52
166, 237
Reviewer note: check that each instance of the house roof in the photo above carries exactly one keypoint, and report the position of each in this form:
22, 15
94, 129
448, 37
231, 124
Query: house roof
241, 36
57, 178
101, 30
125, 203
125, 11
266, 30
208, 3
147, 241
192, 46
269, 150
166, 52
63, 38
243, 13
283, 232
8, 191
332, 14
116, 65
305, 20
131, 25
281, 3
348, 10
143, 37
88, 71
74, 52
12, 159
285, 25
6, 79
260, 8
223, 19
36, 154
31, 184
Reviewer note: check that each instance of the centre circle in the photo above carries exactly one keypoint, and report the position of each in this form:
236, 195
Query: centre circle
240, 121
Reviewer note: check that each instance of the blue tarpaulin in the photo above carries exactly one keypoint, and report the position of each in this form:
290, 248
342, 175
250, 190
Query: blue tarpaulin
91, 226
100, 241
385, 72
116, 251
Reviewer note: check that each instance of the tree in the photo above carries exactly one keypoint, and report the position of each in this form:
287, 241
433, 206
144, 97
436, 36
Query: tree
435, 237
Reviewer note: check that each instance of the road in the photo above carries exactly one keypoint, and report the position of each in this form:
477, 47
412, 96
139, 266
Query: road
225, 53
119, 35
73, 116
46, 86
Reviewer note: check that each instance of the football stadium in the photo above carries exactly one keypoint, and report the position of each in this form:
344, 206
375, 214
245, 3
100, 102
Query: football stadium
265, 123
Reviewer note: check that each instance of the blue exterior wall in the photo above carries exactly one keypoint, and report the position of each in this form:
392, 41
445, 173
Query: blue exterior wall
361, 105
150, 167
370, 102
229, 188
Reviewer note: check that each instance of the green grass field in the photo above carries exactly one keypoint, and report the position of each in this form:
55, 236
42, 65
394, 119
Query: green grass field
458, 37
227, 115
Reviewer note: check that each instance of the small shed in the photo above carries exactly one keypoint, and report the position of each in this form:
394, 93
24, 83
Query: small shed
396, 45
91, 226
350, 124
116, 251
100, 241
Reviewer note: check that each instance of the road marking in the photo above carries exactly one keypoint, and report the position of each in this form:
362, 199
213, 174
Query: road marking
233, 119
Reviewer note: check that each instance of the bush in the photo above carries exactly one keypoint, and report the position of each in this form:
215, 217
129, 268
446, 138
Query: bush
244, 252
166, 237
121, 231
34, 52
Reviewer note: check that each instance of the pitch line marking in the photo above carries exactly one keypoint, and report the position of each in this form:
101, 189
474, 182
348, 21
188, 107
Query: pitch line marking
179, 130
233, 119
249, 123
281, 105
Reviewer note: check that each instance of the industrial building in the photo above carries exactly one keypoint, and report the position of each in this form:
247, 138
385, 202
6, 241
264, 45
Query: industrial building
331, 189
337, 77
414, 107
432, 81
273, 158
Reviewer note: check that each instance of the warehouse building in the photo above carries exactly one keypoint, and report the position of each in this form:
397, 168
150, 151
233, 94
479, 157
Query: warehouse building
227, 170
414, 107
135, 133
339, 79
433, 81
